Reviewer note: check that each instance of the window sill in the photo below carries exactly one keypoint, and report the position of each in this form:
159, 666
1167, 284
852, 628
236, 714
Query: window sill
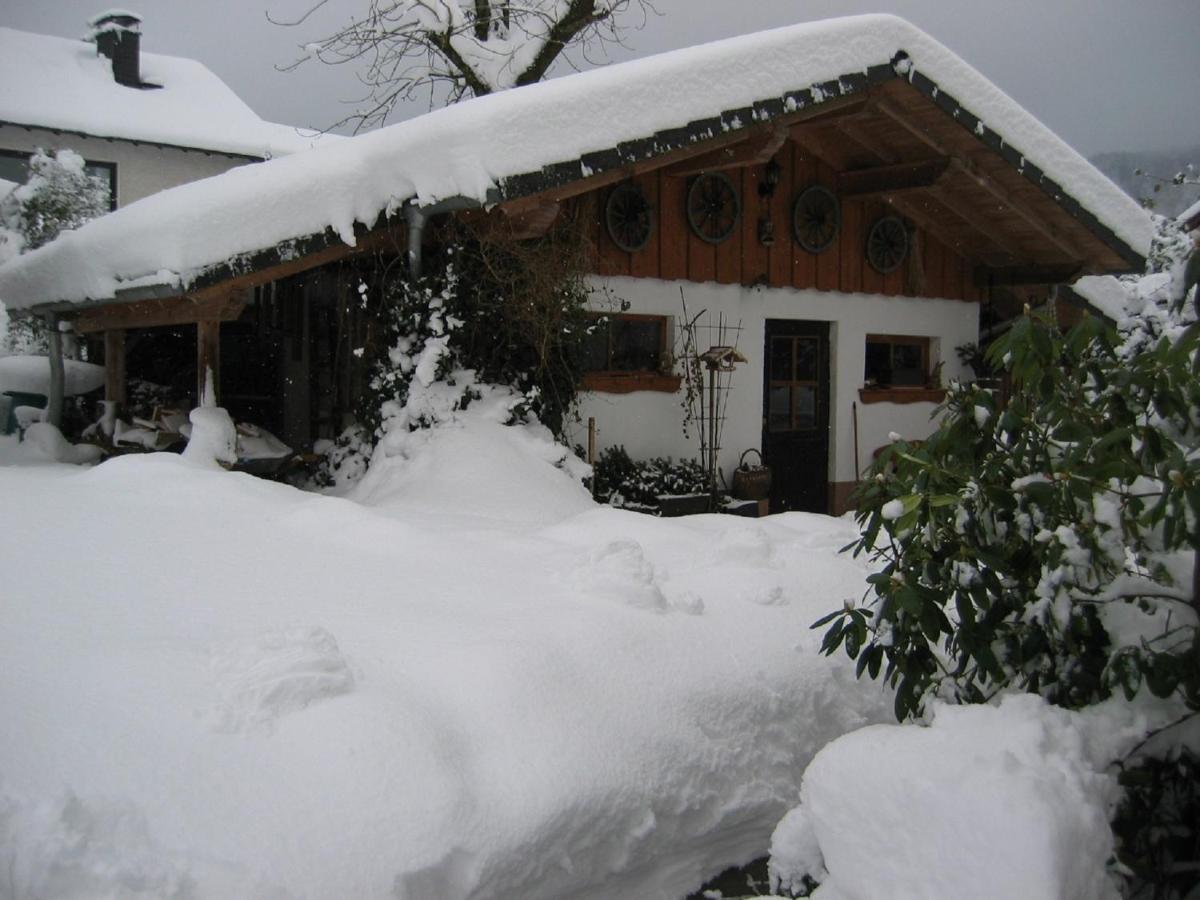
901, 395
628, 382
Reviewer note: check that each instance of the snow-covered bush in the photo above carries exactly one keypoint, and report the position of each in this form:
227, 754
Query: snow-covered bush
491, 312
1048, 544
621, 481
57, 195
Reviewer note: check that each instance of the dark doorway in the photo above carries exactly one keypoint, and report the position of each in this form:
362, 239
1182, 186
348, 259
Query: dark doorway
796, 414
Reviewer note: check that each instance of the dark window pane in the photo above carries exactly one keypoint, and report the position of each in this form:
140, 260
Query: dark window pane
636, 345
879, 362
806, 406
14, 168
781, 359
806, 359
779, 412
595, 348
907, 368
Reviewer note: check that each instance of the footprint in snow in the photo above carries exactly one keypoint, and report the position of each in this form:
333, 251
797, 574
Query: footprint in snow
620, 571
260, 679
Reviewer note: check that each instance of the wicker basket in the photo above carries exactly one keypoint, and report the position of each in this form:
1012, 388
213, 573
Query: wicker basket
751, 482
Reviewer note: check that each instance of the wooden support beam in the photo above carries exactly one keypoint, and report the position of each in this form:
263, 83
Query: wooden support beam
1012, 276
954, 240
114, 366
525, 221
223, 307
972, 220
1035, 221
757, 150
818, 145
887, 108
892, 179
54, 404
208, 359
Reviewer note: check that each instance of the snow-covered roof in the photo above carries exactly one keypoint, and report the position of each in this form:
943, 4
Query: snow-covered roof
506, 144
59, 83
1104, 293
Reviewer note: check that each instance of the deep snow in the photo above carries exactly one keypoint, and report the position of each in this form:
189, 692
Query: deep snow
217, 686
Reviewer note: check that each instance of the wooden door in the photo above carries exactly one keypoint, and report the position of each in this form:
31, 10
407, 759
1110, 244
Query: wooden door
796, 414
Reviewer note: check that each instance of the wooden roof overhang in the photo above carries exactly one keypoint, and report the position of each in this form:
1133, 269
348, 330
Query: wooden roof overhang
889, 131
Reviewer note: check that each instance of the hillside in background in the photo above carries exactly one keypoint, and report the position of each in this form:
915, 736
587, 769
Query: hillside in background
1122, 167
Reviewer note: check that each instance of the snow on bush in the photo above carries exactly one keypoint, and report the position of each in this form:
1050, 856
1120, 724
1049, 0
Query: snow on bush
985, 802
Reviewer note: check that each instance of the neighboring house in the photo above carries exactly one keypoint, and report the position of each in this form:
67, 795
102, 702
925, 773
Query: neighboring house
143, 122
845, 195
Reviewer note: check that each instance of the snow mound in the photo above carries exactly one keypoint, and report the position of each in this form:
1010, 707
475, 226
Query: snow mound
619, 571
212, 438
43, 442
985, 802
261, 679
471, 465
68, 848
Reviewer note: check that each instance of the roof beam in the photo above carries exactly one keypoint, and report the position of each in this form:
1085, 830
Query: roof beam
1005, 199
953, 240
972, 218
155, 313
1013, 276
755, 151
892, 179
1002, 196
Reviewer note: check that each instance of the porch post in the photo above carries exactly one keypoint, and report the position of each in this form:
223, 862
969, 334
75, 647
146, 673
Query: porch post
114, 366
54, 404
208, 358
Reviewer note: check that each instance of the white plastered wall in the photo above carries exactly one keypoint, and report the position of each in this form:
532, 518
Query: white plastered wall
142, 169
650, 423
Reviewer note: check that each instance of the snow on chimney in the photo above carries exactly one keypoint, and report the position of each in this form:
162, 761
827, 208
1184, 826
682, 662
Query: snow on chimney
118, 35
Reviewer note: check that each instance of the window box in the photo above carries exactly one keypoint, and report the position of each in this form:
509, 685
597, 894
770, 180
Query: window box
628, 382
901, 395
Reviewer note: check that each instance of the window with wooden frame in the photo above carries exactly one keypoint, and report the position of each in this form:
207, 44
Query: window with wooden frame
897, 360
627, 352
898, 368
14, 166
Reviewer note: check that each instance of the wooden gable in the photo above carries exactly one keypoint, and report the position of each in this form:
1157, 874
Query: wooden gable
980, 218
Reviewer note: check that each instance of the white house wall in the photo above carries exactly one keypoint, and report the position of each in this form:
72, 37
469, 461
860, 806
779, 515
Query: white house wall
142, 169
650, 423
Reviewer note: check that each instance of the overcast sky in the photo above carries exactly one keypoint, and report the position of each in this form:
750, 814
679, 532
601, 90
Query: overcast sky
1103, 74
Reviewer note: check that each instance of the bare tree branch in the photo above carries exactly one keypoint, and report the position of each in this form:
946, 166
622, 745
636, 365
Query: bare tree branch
454, 49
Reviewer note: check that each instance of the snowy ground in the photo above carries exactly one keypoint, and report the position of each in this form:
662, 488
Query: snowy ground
216, 686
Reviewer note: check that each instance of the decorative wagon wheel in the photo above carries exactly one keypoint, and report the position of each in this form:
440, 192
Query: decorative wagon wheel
887, 244
713, 207
816, 218
629, 217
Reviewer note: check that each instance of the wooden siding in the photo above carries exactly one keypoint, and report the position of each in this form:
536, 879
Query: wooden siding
674, 252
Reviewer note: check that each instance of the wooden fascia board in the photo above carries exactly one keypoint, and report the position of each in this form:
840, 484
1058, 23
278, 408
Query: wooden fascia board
224, 307
891, 179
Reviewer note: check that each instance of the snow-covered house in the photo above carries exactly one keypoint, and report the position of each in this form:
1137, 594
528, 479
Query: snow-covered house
846, 194
142, 121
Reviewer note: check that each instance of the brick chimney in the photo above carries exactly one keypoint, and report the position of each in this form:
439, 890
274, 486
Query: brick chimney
118, 35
